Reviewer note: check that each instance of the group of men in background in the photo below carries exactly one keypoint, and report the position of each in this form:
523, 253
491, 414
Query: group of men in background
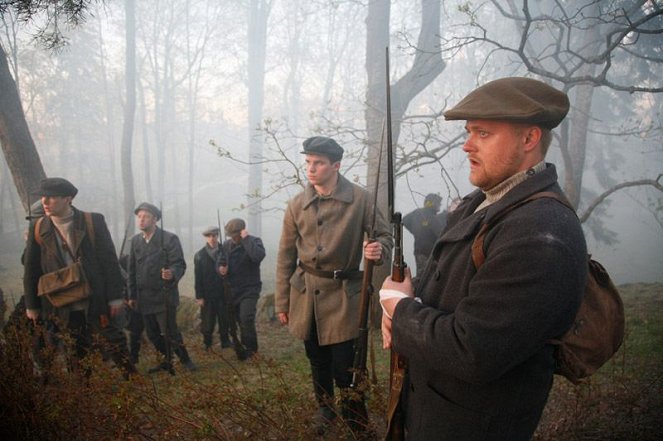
138, 291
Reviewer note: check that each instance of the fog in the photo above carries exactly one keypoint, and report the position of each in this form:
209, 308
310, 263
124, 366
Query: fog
223, 103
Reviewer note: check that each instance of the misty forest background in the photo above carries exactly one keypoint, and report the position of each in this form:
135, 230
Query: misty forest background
202, 105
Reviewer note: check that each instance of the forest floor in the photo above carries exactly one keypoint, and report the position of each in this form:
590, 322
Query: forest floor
270, 397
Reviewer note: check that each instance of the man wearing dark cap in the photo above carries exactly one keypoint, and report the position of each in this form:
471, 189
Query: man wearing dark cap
239, 263
63, 236
425, 225
156, 264
318, 278
478, 339
209, 290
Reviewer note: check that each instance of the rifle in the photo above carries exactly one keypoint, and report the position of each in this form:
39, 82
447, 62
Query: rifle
167, 342
359, 372
398, 365
231, 322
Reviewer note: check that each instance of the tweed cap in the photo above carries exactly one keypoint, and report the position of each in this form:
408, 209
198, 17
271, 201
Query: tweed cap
211, 231
433, 198
56, 187
146, 206
321, 145
234, 226
516, 99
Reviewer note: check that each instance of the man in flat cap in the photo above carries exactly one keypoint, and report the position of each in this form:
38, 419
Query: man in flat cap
318, 278
239, 263
477, 335
62, 237
425, 225
209, 290
156, 264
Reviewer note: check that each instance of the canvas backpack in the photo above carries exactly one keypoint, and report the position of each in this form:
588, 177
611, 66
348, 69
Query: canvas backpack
597, 331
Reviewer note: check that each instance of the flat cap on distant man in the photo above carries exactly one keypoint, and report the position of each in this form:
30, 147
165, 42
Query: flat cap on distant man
515, 99
234, 226
56, 187
146, 206
321, 145
209, 231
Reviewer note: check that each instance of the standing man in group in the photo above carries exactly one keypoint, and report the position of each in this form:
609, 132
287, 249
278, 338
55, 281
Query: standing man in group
156, 264
239, 262
62, 237
318, 278
209, 290
425, 225
478, 339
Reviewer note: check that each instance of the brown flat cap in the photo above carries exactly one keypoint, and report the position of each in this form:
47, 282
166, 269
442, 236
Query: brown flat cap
516, 99
56, 187
321, 145
146, 206
234, 226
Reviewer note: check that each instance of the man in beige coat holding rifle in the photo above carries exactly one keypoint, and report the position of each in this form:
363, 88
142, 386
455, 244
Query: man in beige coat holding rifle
318, 277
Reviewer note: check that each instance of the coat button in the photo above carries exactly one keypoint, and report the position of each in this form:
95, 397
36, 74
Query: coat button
317, 291
437, 275
319, 247
319, 222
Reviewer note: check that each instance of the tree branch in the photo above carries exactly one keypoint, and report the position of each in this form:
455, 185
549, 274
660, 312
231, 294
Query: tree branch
642, 182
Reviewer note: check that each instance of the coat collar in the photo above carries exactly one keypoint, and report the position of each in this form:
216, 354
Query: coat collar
343, 193
48, 237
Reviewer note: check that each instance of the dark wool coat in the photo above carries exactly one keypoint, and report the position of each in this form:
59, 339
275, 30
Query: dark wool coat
145, 262
327, 233
99, 263
208, 283
425, 226
243, 262
480, 364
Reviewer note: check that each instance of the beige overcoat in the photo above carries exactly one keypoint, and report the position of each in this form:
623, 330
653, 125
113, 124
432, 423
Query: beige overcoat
326, 233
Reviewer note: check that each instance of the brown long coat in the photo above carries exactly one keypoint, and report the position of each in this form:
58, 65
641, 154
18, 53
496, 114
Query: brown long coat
325, 233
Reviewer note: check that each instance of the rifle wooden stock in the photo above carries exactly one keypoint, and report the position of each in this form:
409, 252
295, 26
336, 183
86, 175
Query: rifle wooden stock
361, 343
398, 363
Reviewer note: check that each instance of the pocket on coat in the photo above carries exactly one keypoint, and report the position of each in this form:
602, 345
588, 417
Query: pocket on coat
297, 281
352, 287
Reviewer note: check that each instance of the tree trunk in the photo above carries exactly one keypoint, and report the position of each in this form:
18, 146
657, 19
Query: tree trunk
129, 197
427, 66
257, 35
17, 144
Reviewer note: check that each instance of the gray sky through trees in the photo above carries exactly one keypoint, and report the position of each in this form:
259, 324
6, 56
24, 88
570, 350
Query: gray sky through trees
191, 138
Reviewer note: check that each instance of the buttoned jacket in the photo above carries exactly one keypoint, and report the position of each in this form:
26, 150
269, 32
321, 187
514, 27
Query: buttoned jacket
480, 363
99, 263
326, 233
146, 260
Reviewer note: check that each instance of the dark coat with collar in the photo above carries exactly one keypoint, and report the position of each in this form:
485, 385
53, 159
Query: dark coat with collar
145, 262
326, 233
208, 283
480, 364
99, 263
243, 260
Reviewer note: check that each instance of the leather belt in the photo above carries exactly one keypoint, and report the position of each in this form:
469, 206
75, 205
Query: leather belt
336, 274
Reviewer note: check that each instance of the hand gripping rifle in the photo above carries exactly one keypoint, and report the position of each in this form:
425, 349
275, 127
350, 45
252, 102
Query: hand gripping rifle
398, 366
166, 330
229, 307
359, 372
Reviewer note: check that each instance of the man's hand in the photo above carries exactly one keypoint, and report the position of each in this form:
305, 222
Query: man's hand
244, 233
200, 302
283, 318
33, 314
223, 270
132, 304
389, 303
372, 250
166, 274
